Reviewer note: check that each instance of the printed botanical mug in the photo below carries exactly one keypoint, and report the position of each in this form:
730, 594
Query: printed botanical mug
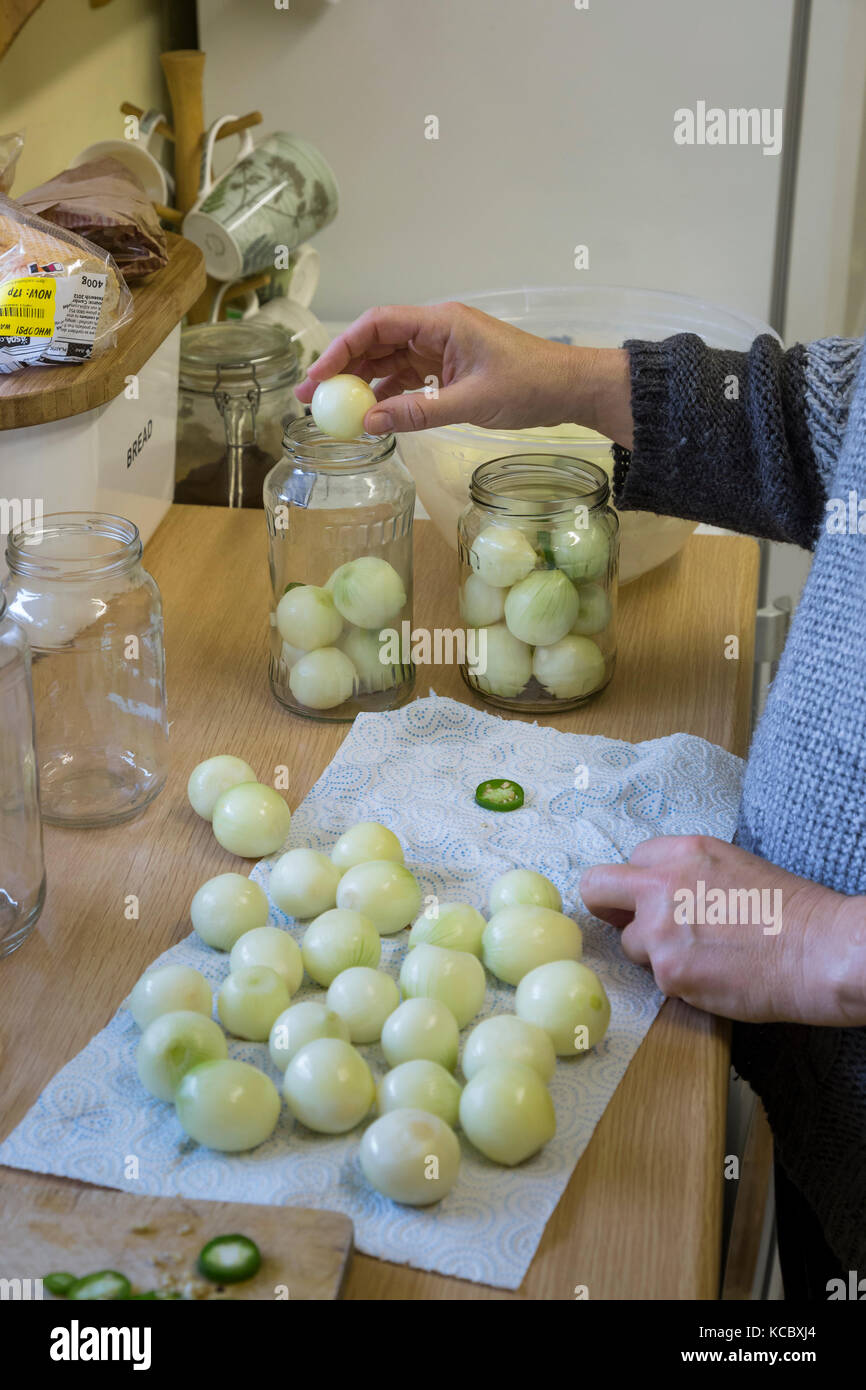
277, 193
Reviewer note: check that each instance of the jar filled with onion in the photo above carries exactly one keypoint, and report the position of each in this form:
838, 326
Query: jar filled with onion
538, 552
339, 515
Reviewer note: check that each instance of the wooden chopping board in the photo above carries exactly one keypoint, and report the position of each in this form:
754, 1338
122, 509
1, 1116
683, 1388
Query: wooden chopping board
156, 1240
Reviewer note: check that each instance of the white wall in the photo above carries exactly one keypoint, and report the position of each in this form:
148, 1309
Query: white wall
66, 73
556, 128
827, 283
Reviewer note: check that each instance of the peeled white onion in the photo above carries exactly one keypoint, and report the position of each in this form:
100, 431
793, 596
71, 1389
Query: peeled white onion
506, 1111
421, 1085
504, 663
340, 404
251, 820
300, 1024
506, 1038
501, 556
307, 618
568, 1001
304, 883
570, 668
337, 941
382, 890
456, 926
328, 1086
581, 552
524, 886
595, 610
481, 604
542, 607
166, 990
517, 939
289, 654
363, 998
421, 1028
227, 1105
210, 779
322, 679
171, 1045
250, 1000
365, 841
410, 1156
368, 591
227, 906
364, 651
272, 947
454, 977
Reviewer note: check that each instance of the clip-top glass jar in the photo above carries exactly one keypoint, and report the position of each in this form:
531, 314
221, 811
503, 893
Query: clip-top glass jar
339, 517
235, 396
538, 547
93, 618
22, 872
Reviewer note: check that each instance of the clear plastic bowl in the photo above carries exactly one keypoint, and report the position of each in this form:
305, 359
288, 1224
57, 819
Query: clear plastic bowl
442, 460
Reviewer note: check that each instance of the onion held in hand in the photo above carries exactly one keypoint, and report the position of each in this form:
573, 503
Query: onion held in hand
340, 404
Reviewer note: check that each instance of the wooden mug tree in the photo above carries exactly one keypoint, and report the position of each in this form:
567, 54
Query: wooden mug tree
184, 75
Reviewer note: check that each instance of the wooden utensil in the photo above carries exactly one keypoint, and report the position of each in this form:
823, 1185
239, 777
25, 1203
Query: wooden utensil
155, 1241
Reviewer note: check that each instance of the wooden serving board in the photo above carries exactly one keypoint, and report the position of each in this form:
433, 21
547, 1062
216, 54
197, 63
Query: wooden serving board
155, 1241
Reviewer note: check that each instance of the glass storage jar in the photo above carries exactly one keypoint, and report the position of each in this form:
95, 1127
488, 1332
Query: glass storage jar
339, 517
235, 399
538, 550
93, 619
22, 871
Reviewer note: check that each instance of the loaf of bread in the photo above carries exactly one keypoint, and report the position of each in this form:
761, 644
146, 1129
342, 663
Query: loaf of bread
89, 301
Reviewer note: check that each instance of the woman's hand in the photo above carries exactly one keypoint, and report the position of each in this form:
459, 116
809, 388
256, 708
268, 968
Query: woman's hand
464, 367
764, 946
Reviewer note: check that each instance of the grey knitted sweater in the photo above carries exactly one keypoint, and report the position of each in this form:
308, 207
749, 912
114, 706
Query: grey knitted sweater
773, 443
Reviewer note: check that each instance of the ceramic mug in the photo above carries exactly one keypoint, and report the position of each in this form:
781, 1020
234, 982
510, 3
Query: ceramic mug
308, 335
157, 182
277, 193
300, 280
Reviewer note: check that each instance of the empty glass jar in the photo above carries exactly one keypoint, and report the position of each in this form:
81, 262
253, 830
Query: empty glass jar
235, 397
339, 520
22, 872
538, 548
93, 619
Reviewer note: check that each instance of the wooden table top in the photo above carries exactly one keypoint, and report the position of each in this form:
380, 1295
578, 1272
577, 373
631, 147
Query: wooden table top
641, 1217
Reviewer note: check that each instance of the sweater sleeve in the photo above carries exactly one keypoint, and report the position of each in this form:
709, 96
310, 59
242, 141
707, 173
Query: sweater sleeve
743, 440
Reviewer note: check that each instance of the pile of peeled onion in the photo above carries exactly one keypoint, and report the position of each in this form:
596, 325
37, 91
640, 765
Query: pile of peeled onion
350, 899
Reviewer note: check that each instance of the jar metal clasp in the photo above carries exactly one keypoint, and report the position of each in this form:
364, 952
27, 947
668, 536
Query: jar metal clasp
239, 420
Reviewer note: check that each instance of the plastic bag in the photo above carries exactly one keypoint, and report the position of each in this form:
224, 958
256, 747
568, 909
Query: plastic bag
10, 148
103, 201
62, 299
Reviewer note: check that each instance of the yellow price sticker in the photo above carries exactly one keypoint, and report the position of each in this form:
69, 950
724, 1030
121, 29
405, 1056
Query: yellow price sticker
27, 307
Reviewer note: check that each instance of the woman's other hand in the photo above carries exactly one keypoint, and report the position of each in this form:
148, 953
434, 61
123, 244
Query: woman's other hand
734, 935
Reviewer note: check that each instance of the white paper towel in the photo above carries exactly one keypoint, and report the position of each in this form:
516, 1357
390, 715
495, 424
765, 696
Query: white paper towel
416, 770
